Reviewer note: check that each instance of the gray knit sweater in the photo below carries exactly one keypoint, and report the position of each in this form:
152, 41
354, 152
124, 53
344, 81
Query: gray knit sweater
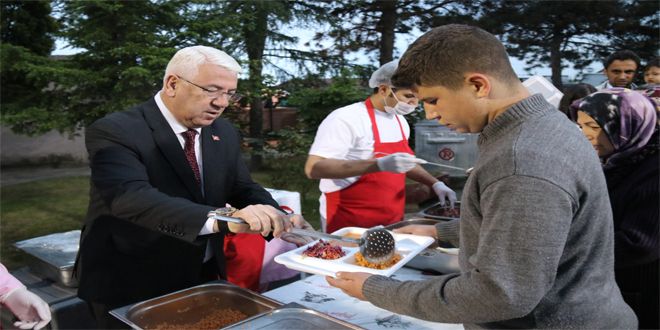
536, 237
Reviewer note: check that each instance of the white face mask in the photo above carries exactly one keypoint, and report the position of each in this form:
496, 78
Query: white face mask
401, 108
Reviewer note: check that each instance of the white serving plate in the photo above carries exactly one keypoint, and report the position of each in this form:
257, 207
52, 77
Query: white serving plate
408, 246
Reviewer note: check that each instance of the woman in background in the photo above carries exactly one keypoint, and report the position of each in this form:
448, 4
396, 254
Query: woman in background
622, 126
572, 93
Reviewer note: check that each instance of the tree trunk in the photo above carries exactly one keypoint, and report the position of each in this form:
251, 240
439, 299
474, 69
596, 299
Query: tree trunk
255, 40
385, 26
555, 60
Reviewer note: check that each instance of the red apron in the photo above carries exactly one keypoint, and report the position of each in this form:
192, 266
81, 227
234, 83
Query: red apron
244, 259
243, 256
375, 198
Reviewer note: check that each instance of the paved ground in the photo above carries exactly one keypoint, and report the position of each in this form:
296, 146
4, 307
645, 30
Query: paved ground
12, 176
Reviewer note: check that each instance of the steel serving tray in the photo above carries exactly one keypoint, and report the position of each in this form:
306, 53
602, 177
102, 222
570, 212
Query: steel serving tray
293, 316
190, 305
439, 259
52, 256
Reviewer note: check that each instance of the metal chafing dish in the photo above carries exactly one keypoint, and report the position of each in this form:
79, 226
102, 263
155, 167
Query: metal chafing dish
52, 256
435, 258
188, 306
191, 305
293, 316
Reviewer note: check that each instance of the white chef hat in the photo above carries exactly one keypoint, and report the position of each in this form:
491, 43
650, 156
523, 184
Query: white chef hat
384, 74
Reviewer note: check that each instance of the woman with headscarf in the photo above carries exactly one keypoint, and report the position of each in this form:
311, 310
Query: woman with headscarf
622, 126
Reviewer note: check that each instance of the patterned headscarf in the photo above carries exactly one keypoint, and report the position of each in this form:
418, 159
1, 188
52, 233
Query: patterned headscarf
629, 120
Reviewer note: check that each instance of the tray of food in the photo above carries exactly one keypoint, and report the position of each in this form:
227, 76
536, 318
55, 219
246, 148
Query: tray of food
442, 212
208, 306
327, 257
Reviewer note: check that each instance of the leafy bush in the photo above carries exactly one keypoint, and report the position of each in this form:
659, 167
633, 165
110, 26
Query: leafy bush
315, 103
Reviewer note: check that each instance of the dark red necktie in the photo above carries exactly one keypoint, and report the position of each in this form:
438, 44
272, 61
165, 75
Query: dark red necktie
189, 150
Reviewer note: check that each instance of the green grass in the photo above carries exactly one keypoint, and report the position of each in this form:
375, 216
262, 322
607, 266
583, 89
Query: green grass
44, 207
39, 208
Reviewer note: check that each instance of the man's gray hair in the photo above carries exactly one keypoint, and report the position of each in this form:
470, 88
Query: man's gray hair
187, 61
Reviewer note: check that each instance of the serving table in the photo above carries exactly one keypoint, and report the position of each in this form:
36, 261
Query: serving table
314, 292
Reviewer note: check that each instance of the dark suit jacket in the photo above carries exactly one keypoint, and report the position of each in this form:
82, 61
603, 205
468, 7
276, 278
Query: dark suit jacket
140, 237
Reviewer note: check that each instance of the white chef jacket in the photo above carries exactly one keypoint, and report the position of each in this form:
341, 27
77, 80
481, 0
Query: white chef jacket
346, 134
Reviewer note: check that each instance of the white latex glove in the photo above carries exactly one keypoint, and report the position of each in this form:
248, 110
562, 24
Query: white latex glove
444, 192
399, 162
32, 311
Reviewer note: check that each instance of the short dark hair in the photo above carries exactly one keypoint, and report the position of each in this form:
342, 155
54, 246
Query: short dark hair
572, 93
621, 55
441, 57
654, 62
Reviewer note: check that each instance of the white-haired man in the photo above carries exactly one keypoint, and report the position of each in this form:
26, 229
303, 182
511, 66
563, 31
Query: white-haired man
362, 157
157, 171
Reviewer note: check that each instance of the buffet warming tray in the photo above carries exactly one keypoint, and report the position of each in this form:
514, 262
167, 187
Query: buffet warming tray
185, 308
293, 316
52, 256
188, 306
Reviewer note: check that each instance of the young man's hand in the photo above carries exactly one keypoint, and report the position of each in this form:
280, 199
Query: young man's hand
350, 283
421, 230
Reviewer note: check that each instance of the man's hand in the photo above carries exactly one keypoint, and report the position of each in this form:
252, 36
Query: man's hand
261, 219
421, 230
399, 162
350, 283
444, 192
297, 221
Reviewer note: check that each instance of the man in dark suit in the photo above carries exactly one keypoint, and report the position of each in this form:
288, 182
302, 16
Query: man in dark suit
157, 170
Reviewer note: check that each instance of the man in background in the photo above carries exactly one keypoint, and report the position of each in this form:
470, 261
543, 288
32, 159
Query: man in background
362, 156
620, 68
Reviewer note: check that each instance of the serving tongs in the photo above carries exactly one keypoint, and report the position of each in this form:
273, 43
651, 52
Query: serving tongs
467, 171
376, 244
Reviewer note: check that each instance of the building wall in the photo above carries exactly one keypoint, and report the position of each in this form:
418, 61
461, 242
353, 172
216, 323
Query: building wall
50, 148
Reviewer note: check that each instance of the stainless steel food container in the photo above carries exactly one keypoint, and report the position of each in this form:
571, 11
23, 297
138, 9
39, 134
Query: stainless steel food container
190, 305
293, 316
426, 212
439, 259
52, 256
438, 144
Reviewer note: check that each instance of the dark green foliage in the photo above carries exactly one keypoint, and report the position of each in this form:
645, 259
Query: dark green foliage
556, 33
28, 24
372, 25
315, 103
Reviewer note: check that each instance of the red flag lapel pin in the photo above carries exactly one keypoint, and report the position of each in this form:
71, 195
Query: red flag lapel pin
215, 137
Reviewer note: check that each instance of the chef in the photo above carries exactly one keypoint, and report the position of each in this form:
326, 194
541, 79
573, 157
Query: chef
362, 156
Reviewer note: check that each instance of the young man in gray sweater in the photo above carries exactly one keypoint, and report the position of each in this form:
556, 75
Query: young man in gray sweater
535, 234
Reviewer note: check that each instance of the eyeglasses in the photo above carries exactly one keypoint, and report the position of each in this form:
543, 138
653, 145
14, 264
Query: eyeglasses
215, 93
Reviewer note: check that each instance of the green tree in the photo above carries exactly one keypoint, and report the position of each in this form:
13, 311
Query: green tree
315, 103
28, 24
372, 25
255, 32
27, 39
126, 46
556, 33
636, 30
